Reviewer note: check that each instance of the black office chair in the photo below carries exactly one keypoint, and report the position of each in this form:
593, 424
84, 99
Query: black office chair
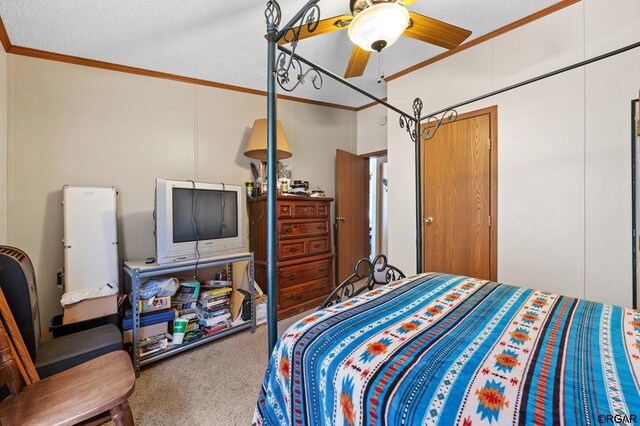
18, 283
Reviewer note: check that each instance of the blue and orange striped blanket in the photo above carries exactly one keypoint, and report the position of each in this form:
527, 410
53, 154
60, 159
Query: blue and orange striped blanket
453, 350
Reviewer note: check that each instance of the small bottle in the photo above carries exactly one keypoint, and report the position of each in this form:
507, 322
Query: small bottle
249, 185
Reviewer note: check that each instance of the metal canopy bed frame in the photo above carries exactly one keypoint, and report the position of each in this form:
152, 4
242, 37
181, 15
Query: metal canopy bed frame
286, 70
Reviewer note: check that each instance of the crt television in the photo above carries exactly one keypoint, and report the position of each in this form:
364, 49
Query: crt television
197, 220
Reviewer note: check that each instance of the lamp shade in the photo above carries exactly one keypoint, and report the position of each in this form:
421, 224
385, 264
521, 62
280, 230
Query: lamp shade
257, 142
379, 26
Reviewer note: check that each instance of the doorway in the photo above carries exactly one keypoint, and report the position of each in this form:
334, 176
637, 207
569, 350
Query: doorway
459, 196
378, 205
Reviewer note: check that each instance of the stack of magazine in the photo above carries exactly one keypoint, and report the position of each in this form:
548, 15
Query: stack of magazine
153, 344
213, 307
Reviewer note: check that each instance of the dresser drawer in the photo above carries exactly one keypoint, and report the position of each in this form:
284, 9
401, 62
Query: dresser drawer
285, 210
292, 275
318, 245
297, 294
322, 209
292, 249
302, 229
303, 209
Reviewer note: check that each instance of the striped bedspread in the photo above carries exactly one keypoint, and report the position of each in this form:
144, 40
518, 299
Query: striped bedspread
444, 349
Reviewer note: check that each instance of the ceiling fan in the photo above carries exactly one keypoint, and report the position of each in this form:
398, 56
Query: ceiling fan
376, 24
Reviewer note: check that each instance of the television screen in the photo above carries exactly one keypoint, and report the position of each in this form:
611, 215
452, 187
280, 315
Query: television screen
203, 214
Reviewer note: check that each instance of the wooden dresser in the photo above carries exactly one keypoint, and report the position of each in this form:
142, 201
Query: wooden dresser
304, 249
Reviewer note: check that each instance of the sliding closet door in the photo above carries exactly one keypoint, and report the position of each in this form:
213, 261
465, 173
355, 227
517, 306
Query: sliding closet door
457, 198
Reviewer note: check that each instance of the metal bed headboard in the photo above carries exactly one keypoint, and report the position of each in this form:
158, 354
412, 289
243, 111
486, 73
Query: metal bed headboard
376, 272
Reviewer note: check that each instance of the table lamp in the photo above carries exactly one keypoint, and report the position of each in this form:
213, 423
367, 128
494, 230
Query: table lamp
257, 143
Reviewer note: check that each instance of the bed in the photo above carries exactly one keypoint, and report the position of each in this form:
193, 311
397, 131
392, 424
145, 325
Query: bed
437, 348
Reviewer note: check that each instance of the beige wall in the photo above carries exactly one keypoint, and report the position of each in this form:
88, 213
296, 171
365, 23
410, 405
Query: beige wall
372, 129
564, 166
3, 146
85, 126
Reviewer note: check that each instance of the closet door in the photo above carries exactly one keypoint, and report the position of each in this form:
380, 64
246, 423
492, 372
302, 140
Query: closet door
457, 190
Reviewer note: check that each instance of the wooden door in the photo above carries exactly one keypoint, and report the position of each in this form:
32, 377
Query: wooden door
352, 211
457, 198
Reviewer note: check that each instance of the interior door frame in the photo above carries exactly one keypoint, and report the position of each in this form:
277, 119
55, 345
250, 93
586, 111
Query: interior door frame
370, 155
380, 153
492, 111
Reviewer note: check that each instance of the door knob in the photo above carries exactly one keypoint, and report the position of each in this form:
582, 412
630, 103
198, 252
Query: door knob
340, 218
428, 220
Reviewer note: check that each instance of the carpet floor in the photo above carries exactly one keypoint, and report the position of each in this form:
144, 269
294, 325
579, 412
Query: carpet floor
215, 384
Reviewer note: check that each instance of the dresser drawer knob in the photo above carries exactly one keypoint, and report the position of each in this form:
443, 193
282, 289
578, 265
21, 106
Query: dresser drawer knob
317, 246
291, 276
320, 227
323, 269
293, 249
288, 229
294, 297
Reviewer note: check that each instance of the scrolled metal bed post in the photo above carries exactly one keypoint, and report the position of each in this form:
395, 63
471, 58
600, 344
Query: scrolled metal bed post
286, 70
272, 14
417, 111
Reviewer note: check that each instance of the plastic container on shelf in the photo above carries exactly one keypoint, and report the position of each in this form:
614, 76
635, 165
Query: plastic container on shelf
58, 329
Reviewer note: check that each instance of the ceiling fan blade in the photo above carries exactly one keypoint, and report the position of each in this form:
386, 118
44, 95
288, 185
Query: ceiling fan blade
328, 25
357, 62
435, 32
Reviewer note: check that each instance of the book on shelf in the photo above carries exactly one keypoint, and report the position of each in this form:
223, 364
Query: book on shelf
193, 324
188, 314
212, 322
210, 313
215, 291
208, 331
213, 284
213, 306
153, 344
187, 292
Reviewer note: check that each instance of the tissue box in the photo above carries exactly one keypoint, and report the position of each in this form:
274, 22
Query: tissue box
155, 304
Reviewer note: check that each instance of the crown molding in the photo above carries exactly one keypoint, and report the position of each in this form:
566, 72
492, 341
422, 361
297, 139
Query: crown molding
4, 37
502, 30
370, 104
76, 60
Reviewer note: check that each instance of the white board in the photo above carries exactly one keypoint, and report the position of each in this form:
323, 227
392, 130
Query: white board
90, 237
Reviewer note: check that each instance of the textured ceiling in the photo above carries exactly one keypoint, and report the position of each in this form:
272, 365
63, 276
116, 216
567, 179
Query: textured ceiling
222, 40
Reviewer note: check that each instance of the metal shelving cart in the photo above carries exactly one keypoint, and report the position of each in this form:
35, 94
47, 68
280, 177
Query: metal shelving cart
136, 271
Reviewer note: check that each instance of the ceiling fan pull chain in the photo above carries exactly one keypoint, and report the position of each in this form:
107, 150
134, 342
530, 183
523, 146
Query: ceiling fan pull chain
380, 67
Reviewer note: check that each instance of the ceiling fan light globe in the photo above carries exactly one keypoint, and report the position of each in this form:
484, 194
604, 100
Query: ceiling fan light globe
379, 25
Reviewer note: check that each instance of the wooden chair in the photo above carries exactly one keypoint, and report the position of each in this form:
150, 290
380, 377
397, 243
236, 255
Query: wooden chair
83, 392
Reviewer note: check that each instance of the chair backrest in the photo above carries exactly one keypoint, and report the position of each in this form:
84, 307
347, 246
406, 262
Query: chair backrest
9, 372
18, 283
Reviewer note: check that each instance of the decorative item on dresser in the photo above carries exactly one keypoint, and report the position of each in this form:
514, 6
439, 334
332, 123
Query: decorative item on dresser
304, 254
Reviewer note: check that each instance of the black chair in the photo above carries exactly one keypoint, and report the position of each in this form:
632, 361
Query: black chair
18, 283
376, 272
